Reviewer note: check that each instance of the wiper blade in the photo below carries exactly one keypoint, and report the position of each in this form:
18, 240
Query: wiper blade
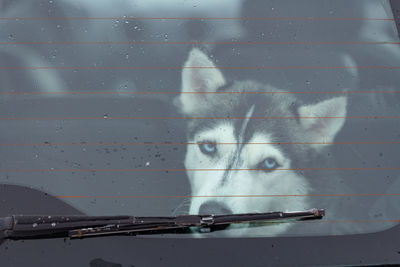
17, 227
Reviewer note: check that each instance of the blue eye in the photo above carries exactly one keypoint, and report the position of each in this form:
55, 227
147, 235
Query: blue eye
269, 164
208, 148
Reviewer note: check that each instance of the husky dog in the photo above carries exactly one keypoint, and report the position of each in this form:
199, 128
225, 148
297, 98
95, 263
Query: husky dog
240, 139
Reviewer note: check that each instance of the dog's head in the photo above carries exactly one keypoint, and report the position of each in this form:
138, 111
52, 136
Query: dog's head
235, 155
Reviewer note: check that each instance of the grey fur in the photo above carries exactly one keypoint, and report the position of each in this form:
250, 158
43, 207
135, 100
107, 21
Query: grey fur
275, 113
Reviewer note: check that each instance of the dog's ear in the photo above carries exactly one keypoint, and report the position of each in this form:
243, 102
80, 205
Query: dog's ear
199, 75
322, 121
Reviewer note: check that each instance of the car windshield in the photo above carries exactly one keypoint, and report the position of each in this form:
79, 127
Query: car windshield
160, 108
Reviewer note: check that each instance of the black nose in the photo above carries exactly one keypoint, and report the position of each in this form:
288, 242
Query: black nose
215, 208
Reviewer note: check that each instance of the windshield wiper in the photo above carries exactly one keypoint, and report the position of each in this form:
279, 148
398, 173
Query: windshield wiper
17, 227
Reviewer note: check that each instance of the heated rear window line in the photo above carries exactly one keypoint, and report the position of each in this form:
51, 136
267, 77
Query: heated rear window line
72, 92
199, 43
192, 118
228, 196
150, 143
311, 19
372, 67
196, 170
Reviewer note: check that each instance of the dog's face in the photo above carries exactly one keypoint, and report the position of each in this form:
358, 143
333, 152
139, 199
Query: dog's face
233, 161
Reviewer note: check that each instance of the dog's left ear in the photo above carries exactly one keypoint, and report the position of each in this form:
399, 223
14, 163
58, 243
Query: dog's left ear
199, 75
322, 121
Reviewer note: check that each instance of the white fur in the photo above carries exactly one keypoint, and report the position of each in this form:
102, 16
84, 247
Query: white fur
319, 128
197, 80
243, 182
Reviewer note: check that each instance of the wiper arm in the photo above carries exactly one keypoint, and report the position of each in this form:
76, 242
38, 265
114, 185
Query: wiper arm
17, 227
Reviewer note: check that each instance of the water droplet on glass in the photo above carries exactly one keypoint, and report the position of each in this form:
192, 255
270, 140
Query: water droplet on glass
53, 224
308, 82
127, 56
34, 225
148, 163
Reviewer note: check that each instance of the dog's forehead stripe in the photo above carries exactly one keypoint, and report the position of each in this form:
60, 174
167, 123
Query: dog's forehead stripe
236, 155
245, 123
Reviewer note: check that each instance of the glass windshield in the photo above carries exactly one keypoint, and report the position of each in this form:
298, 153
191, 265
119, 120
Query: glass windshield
155, 108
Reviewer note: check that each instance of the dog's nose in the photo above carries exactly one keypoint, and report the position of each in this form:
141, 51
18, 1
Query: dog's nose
214, 207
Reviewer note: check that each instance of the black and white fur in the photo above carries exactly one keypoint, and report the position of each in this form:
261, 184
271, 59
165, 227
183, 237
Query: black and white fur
249, 146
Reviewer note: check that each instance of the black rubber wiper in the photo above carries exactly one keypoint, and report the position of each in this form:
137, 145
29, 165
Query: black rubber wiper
17, 227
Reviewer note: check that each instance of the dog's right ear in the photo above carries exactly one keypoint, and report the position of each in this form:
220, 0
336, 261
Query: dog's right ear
199, 76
